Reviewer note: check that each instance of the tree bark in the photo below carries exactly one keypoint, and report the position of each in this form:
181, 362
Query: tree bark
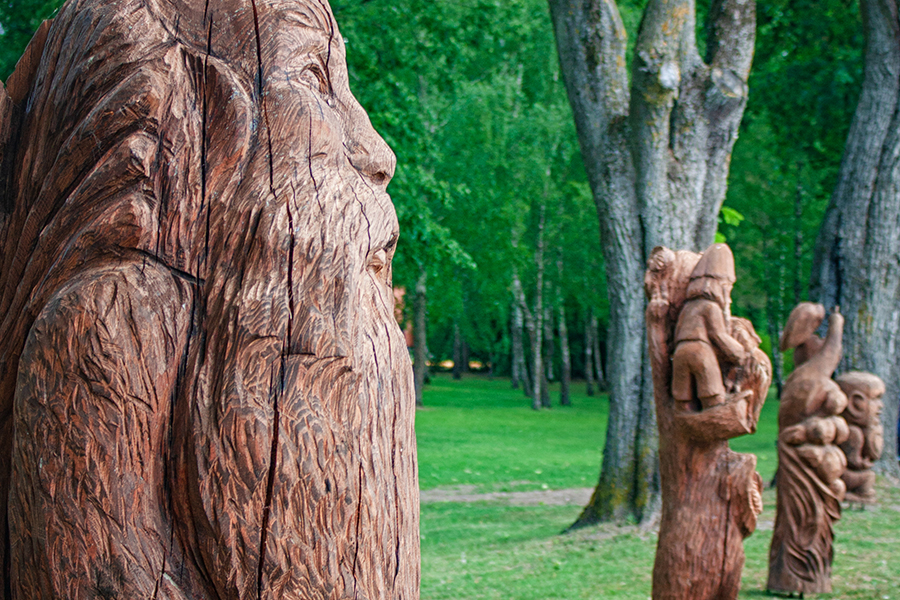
798, 244
457, 352
531, 390
549, 343
537, 339
657, 159
598, 357
589, 355
565, 380
548, 357
519, 368
420, 340
855, 265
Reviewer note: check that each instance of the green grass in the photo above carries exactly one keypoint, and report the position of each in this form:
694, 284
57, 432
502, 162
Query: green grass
479, 432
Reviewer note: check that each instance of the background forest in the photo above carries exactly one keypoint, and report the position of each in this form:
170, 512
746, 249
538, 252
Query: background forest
490, 189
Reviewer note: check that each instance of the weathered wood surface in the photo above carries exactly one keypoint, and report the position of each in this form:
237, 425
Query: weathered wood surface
810, 464
865, 441
711, 495
203, 389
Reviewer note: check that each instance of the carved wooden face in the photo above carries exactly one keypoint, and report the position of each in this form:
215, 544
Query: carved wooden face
217, 147
304, 356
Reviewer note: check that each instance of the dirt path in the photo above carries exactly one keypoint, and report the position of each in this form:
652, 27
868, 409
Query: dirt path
467, 493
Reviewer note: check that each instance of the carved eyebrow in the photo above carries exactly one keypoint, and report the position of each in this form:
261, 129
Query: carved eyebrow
307, 16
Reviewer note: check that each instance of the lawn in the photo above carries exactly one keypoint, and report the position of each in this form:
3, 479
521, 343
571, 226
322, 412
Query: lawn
481, 434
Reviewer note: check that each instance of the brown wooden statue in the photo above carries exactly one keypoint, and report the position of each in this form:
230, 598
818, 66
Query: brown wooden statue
810, 465
203, 389
865, 441
800, 332
710, 381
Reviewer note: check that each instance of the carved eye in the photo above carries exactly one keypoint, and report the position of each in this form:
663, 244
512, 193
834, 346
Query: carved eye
317, 77
378, 261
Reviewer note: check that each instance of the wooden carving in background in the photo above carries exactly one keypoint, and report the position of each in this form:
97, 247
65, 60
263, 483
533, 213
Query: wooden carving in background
810, 463
712, 391
865, 440
203, 389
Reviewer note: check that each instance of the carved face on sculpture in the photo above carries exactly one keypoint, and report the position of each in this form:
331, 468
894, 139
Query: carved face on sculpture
864, 392
218, 144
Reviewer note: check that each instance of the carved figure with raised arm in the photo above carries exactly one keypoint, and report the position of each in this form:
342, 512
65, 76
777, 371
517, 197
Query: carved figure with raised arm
810, 463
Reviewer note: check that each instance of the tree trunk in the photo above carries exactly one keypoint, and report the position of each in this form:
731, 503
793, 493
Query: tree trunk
657, 161
457, 352
519, 368
537, 338
420, 346
598, 357
565, 379
798, 246
549, 343
775, 314
855, 264
777, 356
589, 355
519, 295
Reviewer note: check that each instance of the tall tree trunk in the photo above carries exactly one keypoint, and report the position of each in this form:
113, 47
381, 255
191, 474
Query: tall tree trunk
775, 314
519, 295
420, 346
537, 338
549, 343
774, 327
588, 355
457, 352
519, 369
855, 263
657, 158
565, 379
598, 357
798, 245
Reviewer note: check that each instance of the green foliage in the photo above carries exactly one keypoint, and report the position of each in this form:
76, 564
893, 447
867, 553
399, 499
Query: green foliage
19, 19
469, 96
806, 77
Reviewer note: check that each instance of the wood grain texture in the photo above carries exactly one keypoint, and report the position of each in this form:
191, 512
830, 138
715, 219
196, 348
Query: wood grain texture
203, 389
711, 495
810, 464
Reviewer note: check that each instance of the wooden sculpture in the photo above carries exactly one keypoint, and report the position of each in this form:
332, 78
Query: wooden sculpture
810, 465
865, 440
711, 390
203, 389
800, 332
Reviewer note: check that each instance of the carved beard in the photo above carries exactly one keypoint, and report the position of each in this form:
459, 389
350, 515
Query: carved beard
300, 390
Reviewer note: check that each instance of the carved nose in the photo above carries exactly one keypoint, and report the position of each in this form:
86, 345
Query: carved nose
369, 153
